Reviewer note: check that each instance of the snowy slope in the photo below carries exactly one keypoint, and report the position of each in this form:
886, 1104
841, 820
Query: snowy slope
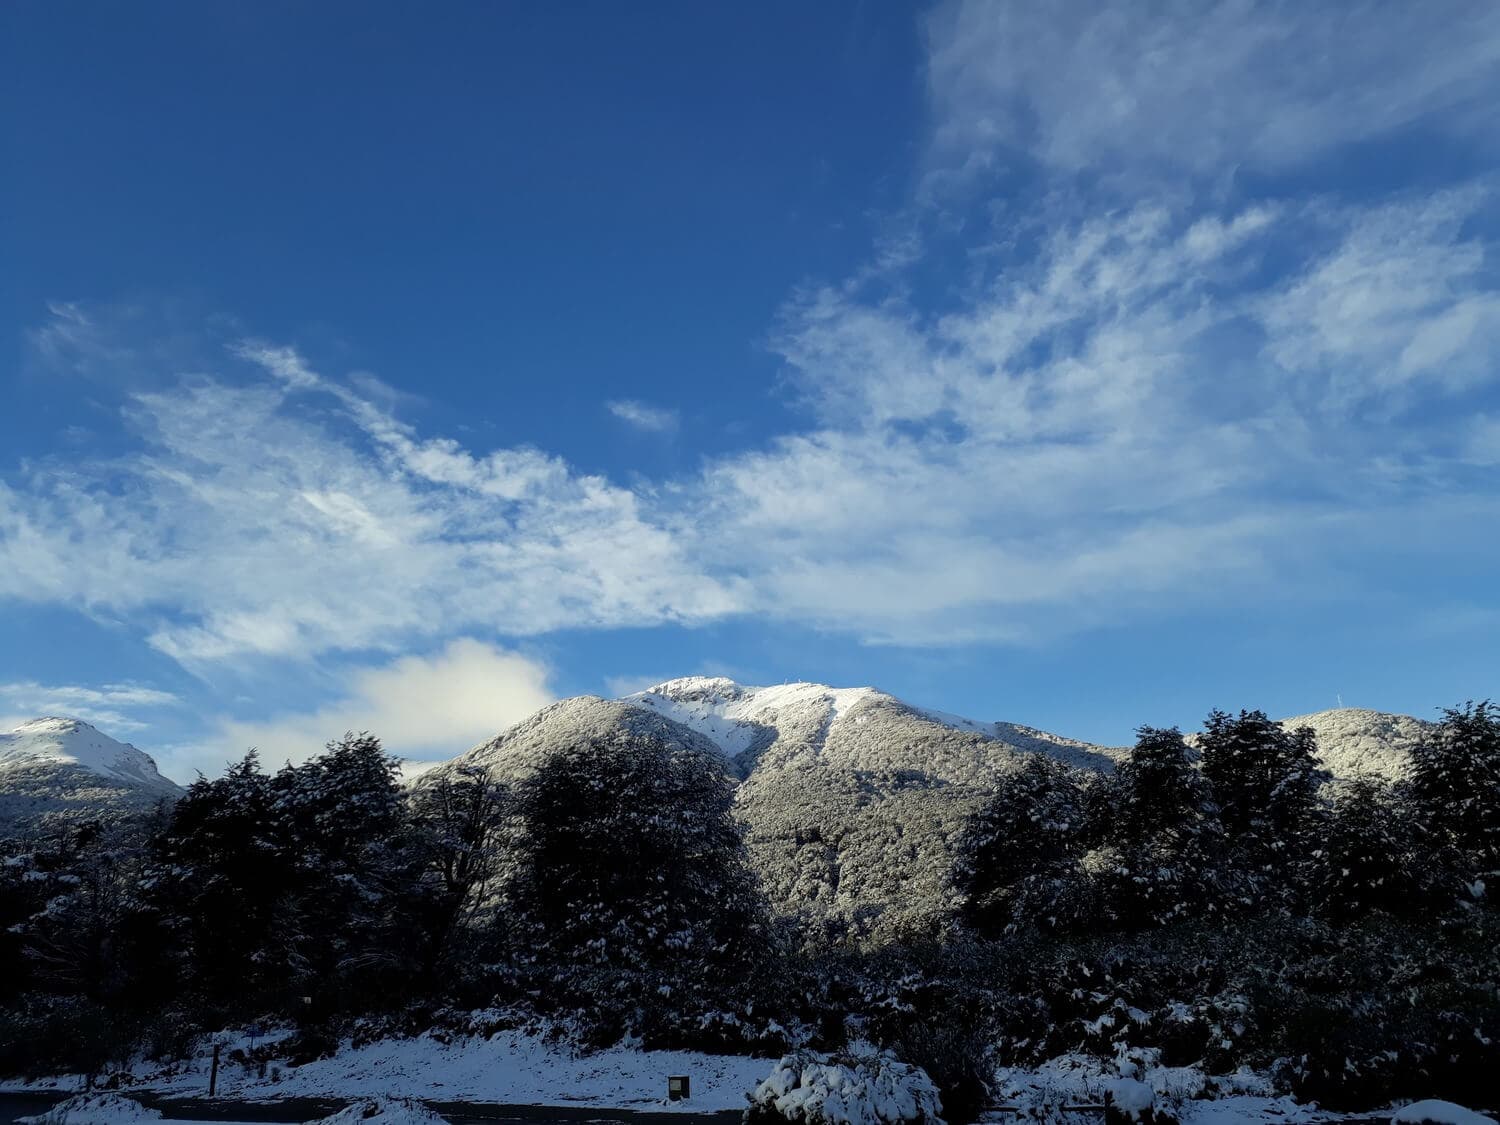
56, 771
739, 719
742, 720
518, 750
72, 742
852, 798
1354, 742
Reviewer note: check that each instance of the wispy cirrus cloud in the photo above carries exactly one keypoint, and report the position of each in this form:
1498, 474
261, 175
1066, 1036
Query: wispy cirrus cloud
252, 520
1124, 400
1141, 416
120, 707
1405, 296
642, 416
1206, 87
1138, 415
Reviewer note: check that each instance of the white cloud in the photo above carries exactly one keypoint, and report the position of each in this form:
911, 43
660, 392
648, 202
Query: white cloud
1203, 86
114, 707
652, 419
254, 522
1183, 395
1134, 419
1136, 414
421, 707
1403, 297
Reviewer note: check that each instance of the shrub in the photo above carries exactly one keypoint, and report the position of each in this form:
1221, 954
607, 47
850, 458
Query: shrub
959, 1055
815, 1089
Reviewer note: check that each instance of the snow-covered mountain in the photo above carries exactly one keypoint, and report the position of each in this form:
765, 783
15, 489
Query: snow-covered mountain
746, 721
60, 771
852, 798
1354, 742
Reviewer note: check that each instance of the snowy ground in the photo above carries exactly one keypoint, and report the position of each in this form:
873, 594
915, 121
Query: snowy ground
510, 1068
105, 1108
513, 1068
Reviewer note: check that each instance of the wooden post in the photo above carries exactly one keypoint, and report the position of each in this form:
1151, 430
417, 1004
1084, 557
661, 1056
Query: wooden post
213, 1074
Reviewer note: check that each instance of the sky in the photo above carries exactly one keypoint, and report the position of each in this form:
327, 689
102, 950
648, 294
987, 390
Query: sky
406, 367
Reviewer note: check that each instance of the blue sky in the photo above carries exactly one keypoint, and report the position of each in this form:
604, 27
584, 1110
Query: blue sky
369, 365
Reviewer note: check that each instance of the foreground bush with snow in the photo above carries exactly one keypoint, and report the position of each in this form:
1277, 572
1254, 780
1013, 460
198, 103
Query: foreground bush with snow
1434, 1112
93, 1109
816, 1089
383, 1111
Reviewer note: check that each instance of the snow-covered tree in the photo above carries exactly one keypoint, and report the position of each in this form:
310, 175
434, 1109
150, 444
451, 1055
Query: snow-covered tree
457, 817
1016, 862
1455, 783
277, 887
1368, 858
1264, 780
629, 879
342, 817
221, 885
1158, 834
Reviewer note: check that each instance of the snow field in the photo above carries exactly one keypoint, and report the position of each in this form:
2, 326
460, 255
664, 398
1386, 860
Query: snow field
509, 1068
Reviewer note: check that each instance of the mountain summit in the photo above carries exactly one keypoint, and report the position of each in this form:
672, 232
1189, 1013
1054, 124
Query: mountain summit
743, 720
57, 771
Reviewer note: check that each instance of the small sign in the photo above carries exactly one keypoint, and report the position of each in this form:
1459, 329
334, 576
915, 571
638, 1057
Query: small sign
677, 1087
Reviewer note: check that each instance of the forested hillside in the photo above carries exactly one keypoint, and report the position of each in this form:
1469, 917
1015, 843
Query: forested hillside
713, 866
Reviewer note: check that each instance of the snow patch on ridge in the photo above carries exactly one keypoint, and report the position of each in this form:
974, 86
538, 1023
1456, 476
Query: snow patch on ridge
738, 718
733, 716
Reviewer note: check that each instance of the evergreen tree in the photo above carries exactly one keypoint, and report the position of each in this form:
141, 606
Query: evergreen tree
1455, 784
1159, 798
1264, 781
276, 888
221, 883
1157, 824
1369, 857
341, 818
458, 816
629, 884
1016, 861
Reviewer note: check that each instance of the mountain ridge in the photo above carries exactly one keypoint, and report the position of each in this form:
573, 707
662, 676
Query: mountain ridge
58, 771
814, 762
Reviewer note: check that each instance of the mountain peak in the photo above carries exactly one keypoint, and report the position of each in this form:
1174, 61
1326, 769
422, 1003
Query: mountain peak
62, 741
689, 688
1354, 741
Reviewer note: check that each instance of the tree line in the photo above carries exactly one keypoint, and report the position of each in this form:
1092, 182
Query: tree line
1241, 822
1214, 900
